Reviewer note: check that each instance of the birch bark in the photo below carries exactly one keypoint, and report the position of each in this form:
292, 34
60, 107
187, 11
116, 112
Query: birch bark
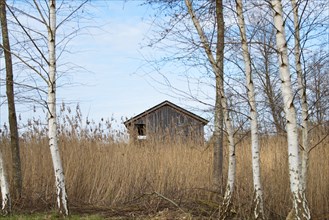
258, 192
300, 206
52, 124
225, 209
302, 92
227, 202
5, 194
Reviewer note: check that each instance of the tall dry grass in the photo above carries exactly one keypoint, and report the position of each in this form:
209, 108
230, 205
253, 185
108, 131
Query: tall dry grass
275, 178
102, 172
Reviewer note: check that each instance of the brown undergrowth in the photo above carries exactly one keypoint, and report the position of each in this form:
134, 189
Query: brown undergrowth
115, 178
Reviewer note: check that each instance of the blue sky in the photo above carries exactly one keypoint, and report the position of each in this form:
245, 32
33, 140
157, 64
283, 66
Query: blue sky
113, 80
111, 56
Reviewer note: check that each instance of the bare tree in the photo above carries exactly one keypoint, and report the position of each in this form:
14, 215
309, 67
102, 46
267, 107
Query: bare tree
258, 192
14, 140
179, 27
302, 91
318, 87
5, 194
225, 208
263, 62
300, 206
52, 119
218, 116
39, 54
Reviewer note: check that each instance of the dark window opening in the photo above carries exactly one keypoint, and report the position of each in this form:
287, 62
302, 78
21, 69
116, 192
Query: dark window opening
141, 129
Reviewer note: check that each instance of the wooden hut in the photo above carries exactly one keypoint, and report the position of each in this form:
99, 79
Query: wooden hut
167, 121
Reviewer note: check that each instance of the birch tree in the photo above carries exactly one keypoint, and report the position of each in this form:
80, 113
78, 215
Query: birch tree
5, 194
40, 44
14, 140
227, 202
258, 192
302, 93
52, 119
300, 206
50, 24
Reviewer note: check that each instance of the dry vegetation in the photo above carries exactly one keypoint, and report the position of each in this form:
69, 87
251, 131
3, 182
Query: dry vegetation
156, 179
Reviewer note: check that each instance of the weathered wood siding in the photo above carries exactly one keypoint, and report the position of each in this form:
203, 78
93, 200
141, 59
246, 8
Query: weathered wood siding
171, 124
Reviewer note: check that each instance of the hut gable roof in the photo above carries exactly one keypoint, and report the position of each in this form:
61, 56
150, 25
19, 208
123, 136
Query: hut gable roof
162, 104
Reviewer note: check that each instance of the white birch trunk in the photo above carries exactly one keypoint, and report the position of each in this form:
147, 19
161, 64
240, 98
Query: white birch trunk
258, 192
304, 104
52, 124
225, 209
5, 194
300, 207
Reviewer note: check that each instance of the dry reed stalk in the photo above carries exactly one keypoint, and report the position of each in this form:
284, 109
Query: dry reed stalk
102, 172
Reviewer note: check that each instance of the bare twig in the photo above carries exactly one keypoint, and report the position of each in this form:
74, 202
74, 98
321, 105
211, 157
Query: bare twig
169, 200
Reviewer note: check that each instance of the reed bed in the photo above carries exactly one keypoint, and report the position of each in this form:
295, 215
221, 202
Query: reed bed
151, 177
